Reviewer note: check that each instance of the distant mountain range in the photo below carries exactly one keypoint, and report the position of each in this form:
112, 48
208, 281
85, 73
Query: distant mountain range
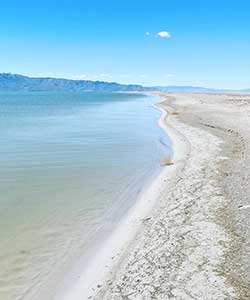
14, 82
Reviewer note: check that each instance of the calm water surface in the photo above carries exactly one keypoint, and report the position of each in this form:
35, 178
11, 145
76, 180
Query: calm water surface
65, 160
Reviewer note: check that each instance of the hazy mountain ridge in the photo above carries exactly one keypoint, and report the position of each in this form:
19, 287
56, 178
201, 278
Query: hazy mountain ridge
15, 82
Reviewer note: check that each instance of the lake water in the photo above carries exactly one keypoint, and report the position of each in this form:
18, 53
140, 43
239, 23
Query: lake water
67, 161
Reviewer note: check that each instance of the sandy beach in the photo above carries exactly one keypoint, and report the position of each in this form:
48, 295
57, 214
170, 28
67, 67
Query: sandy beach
188, 237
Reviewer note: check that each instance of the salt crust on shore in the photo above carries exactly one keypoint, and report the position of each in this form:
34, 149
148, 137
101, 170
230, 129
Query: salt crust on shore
181, 248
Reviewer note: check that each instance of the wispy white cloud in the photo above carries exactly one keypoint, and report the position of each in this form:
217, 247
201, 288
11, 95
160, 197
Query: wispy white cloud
49, 74
170, 75
107, 75
143, 76
91, 76
78, 77
125, 76
147, 33
164, 34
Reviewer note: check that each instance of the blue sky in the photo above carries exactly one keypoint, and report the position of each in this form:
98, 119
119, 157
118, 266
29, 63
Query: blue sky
204, 43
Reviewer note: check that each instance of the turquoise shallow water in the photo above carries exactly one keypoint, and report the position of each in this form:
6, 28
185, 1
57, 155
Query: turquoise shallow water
66, 159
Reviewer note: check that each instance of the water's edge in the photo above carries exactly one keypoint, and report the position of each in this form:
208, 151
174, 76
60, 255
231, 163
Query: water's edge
105, 257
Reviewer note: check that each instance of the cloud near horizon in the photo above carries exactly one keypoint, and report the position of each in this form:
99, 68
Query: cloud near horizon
170, 75
164, 34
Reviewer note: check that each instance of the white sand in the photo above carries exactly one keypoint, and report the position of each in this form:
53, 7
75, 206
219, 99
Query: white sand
181, 247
